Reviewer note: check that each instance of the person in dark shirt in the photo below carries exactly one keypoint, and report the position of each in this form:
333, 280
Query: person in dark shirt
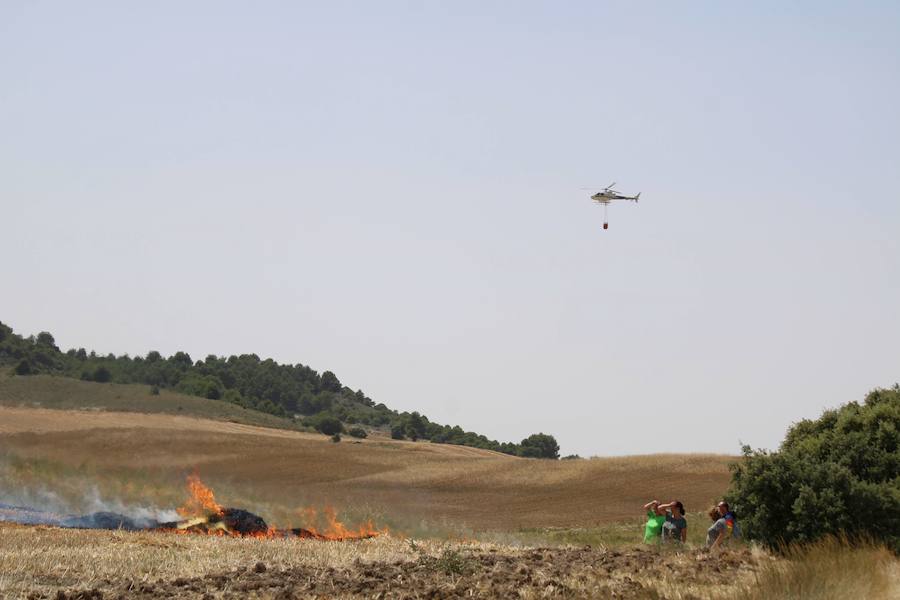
675, 527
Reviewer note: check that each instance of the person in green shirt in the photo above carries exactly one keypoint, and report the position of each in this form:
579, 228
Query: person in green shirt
655, 519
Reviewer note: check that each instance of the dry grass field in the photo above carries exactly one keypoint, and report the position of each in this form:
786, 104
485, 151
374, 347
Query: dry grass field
143, 459
463, 522
74, 440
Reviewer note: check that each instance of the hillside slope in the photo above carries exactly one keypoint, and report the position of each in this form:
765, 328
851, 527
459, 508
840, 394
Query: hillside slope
47, 391
246, 380
142, 460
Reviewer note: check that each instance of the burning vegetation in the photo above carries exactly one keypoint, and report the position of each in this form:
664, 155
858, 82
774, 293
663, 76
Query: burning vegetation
201, 514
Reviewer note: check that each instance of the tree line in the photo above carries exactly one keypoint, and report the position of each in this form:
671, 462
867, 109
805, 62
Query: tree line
286, 390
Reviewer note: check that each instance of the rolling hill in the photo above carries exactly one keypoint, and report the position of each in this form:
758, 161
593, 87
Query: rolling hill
318, 400
86, 443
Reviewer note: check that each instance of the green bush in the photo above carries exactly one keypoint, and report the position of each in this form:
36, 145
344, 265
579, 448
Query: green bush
101, 375
199, 385
450, 562
358, 432
23, 368
539, 445
329, 426
837, 475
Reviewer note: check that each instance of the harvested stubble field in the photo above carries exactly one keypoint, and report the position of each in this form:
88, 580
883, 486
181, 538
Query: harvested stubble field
39, 562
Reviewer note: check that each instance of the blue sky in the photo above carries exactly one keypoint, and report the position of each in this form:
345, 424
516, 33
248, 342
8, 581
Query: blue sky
391, 191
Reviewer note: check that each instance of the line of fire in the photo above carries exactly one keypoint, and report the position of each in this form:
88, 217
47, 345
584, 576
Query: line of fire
201, 515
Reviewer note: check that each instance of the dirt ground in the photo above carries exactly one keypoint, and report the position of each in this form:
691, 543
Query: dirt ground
90, 564
538, 573
143, 459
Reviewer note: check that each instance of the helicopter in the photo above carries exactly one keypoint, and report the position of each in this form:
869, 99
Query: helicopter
606, 196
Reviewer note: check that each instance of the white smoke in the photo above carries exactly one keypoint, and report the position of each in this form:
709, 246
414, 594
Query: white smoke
29, 502
95, 502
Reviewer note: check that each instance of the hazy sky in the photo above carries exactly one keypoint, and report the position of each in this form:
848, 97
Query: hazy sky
390, 190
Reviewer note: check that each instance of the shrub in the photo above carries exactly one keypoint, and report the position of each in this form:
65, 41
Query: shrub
358, 432
540, 445
837, 475
415, 426
101, 375
154, 390
329, 425
450, 562
23, 368
397, 432
336, 438
204, 386
234, 397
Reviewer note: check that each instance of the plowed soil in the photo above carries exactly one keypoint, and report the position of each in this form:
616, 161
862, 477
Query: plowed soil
485, 573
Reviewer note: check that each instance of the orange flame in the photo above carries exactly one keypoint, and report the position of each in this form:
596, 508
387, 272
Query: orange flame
203, 514
270, 533
333, 528
202, 501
